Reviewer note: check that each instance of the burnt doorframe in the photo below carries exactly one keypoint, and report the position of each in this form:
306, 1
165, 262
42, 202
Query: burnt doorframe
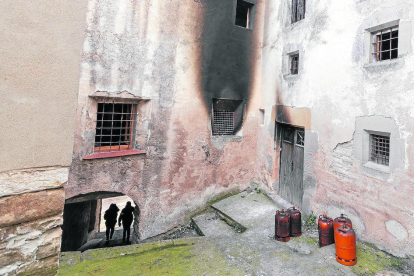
279, 128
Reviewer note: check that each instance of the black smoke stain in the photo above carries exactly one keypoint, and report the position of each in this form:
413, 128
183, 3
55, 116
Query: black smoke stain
227, 54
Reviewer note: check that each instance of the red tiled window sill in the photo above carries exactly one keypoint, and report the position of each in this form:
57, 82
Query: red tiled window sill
110, 154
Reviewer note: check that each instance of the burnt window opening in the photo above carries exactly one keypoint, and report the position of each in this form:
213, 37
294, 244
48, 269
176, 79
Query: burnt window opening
385, 45
114, 127
380, 149
294, 64
244, 14
298, 10
227, 117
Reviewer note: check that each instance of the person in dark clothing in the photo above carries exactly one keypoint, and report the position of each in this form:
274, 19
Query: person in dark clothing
126, 219
110, 220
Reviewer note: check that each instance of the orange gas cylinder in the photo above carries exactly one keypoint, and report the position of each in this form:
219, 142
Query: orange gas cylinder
345, 245
338, 222
282, 226
325, 229
295, 222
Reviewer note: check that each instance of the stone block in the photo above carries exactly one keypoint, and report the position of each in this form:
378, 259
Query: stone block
8, 257
31, 206
44, 267
50, 247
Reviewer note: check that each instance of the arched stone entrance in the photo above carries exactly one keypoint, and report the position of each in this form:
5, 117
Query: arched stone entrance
81, 219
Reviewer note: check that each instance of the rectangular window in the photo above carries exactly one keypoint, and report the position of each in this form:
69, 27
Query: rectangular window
298, 10
294, 64
114, 127
227, 116
243, 14
385, 44
380, 149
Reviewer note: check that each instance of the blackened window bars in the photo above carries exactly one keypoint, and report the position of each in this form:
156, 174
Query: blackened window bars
223, 122
114, 126
385, 44
380, 149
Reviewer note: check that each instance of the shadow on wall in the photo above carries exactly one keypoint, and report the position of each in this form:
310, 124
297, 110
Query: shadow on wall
82, 218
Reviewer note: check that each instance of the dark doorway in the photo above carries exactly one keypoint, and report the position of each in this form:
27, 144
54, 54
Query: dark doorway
84, 225
292, 142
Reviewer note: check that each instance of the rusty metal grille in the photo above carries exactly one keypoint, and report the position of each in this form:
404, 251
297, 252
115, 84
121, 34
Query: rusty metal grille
223, 122
114, 127
386, 44
380, 149
298, 10
294, 64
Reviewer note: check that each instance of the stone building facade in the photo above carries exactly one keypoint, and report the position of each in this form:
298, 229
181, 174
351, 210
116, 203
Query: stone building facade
40, 57
350, 95
182, 101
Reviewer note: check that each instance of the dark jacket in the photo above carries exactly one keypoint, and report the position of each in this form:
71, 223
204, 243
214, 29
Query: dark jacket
126, 215
111, 215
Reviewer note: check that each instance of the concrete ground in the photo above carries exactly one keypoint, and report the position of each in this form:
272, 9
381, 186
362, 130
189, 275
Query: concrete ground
238, 240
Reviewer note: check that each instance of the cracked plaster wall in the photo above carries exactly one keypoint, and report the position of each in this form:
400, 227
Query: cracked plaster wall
179, 55
339, 86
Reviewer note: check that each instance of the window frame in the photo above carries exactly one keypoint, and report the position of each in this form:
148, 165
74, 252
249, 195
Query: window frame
132, 129
249, 15
376, 50
292, 61
374, 160
295, 15
236, 107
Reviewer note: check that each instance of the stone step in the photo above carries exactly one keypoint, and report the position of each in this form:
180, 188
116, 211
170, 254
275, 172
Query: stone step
250, 209
210, 225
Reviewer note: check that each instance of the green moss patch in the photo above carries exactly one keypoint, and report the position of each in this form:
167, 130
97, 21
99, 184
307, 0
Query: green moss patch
307, 240
170, 258
371, 260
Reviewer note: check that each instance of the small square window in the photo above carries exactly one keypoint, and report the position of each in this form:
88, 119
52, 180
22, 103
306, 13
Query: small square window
115, 124
294, 64
298, 10
244, 14
380, 149
385, 44
227, 117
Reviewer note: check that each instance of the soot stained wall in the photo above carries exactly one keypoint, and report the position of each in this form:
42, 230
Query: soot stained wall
228, 53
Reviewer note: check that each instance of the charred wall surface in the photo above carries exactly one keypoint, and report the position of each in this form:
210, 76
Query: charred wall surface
349, 96
171, 58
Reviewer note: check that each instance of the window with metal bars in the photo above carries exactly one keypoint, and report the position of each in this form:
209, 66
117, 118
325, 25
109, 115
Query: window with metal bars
294, 64
223, 123
380, 149
385, 45
115, 124
298, 10
227, 117
243, 14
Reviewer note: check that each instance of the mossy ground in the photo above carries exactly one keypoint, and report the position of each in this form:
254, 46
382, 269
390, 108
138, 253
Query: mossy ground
371, 260
166, 258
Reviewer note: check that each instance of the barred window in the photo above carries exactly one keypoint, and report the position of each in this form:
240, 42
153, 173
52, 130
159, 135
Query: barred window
227, 117
294, 64
385, 44
114, 127
380, 149
244, 14
298, 10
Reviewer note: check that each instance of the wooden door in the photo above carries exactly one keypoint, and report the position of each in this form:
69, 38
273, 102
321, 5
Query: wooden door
291, 164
